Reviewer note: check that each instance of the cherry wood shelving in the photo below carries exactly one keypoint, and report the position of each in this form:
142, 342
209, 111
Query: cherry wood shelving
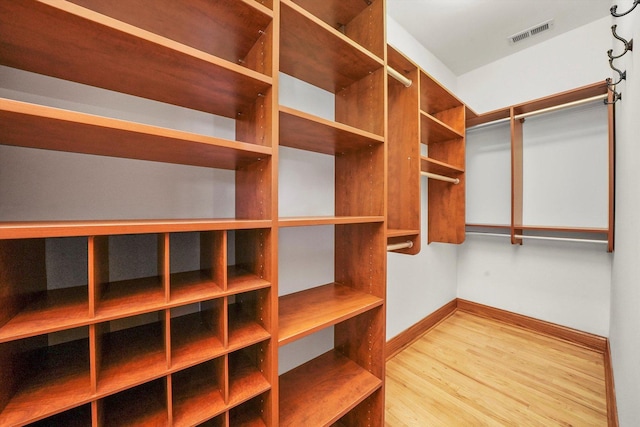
170, 347
517, 226
339, 46
198, 346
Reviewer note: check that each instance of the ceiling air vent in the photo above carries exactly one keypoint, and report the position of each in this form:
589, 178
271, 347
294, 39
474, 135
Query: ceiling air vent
536, 29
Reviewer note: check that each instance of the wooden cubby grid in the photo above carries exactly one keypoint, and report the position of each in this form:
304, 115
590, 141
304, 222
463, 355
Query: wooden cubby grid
517, 226
152, 348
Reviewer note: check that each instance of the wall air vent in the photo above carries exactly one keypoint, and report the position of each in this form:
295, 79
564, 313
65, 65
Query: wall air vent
536, 29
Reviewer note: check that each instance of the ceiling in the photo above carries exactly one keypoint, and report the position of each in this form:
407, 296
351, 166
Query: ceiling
466, 34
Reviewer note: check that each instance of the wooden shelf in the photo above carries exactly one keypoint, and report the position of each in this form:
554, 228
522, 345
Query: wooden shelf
244, 329
334, 383
402, 233
37, 126
49, 311
433, 130
122, 58
130, 297
193, 286
197, 394
45, 229
435, 98
305, 312
245, 378
195, 338
248, 414
428, 164
328, 220
131, 357
314, 52
75, 417
307, 132
240, 280
142, 405
58, 381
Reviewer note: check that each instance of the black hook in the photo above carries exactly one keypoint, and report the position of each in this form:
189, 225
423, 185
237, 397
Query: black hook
628, 45
622, 74
618, 15
616, 97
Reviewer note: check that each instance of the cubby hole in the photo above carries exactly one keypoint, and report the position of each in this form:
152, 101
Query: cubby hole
196, 265
199, 392
130, 350
227, 29
197, 332
364, 412
250, 413
248, 317
128, 273
249, 260
248, 372
44, 285
219, 421
76, 417
145, 404
45, 373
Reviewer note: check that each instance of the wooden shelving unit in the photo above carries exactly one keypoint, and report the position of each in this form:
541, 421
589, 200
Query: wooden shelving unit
517, 227
166, 347
339, 47
442, 130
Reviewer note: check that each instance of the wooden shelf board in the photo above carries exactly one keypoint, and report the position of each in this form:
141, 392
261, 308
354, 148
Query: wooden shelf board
314, 52
307, 132
145, 405
434, 97
37, 126
488, 117
193, 342
562, 229
327, 220
192, 286
391, 233
433, 130
246, 419
240, 280
59, 382
244, 331
49, 311
428, 164
577, 94
196, 402
44, 229
130, 297
224, 28
305, 312
322, 390
131, 357
122, 58
490, 226
334, 12
245, 382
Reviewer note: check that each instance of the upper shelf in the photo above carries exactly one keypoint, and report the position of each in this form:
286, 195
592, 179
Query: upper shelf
313, 51
436, 166
433, 130
308, 132
434, 98
46, 229
36, 126
67, 41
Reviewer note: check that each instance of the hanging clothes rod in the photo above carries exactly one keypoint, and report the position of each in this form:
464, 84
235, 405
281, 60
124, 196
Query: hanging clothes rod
560, 239
440, 177
403, 245
480, 233
399, 77
562, 106
491, 123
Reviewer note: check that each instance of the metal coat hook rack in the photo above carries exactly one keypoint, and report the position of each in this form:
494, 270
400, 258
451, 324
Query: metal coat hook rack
614, 9
628, 45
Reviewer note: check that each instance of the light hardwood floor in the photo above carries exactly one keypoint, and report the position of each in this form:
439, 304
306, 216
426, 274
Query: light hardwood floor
473, 371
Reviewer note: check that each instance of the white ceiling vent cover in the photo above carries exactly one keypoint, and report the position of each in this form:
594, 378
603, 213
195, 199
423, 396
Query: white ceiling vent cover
536, 29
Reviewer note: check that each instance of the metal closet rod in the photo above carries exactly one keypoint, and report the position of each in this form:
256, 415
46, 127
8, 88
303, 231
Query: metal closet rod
440, 177
403, 245
399, 77
562, 106
487, 124
559, 239
480, 233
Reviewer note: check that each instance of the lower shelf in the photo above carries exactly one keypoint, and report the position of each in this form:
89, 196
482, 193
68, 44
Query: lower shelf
332, 383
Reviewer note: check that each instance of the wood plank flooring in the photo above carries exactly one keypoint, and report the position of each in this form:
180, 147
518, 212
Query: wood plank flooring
473, 371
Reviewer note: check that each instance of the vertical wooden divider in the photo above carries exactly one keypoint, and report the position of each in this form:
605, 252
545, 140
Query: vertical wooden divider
168, 384
516, 178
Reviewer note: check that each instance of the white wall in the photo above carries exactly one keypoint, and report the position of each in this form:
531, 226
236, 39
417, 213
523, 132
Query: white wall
564, 283
625, 296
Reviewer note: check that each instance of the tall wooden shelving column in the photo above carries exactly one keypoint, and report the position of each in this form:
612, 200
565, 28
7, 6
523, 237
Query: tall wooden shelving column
339, 46
175, 347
